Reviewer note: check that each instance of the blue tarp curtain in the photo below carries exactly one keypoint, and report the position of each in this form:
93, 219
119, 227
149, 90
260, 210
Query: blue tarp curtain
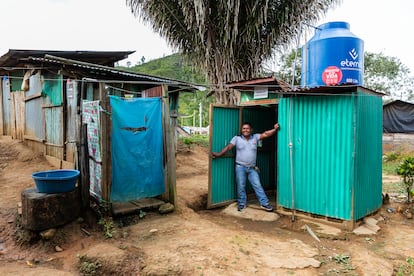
137, 148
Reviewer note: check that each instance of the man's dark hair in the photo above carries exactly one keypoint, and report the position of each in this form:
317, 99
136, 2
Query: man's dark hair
247, 123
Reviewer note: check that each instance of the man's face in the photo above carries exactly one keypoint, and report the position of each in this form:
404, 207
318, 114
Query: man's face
246, 130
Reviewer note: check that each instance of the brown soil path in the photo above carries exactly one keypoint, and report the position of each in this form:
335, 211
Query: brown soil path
193, 240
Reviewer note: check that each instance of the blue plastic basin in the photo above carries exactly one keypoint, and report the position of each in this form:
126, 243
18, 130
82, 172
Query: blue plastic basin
55, 181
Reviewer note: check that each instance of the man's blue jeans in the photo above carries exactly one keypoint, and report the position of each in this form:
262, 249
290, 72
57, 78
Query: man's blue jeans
242, 174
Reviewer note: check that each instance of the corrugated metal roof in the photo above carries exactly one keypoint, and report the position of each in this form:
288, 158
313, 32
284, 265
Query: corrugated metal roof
97, 67
271, 83
111, 74
333, 89
13, 56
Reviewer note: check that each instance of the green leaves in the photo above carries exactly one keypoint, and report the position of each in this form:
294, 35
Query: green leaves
406, 171
229, 39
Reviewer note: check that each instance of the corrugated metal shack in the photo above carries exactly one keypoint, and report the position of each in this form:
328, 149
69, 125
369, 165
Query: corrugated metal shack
326, 159
330, 152
43, 99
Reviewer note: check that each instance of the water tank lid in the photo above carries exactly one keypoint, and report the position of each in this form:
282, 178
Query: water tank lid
334, 24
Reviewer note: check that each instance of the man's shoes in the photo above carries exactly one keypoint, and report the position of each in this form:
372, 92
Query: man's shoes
267, 207
240, 208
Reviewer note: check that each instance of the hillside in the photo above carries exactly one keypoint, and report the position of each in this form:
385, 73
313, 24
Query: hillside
174, 67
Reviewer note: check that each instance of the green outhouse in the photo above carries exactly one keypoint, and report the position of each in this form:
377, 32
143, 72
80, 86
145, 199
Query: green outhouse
329, 160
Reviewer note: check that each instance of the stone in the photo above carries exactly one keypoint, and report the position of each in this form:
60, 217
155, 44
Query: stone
166, 208
48, 234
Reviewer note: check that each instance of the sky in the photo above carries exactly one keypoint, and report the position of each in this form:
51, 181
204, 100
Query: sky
108, 25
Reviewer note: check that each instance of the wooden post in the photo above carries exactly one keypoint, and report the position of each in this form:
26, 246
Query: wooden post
106, 145
84, 168
12, 115
1, 106
170, 149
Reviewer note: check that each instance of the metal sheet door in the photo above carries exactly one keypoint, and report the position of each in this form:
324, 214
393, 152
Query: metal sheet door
224, 124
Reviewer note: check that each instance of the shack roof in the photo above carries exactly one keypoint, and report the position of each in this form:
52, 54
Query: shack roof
91, 71
332, 89
14, 57
271, 83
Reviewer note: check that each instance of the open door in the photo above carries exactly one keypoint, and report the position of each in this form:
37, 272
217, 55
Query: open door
225, 122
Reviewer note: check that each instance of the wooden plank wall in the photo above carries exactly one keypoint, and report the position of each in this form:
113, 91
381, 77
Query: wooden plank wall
17, 115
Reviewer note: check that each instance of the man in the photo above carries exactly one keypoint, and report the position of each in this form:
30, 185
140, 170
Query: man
246, 153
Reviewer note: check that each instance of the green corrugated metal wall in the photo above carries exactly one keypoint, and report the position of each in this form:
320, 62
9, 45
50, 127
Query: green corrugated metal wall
368, 165
329, 137
226, 123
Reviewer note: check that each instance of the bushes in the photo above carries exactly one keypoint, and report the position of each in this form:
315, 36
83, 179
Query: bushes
406, 171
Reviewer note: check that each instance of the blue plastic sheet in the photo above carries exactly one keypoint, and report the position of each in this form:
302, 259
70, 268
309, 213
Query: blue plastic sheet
137, 148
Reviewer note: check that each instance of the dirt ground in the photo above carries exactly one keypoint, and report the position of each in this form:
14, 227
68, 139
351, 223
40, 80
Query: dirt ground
193, 240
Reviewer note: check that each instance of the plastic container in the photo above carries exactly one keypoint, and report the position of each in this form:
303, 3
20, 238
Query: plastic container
333, 56
55, 181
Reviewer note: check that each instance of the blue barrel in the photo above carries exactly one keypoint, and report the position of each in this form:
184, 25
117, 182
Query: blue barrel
333, 56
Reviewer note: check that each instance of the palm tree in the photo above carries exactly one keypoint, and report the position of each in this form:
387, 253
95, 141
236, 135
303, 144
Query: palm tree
228, 39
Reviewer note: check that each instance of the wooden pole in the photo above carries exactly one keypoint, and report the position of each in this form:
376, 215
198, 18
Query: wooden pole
84, 168
106, 145
1, 105
170, 149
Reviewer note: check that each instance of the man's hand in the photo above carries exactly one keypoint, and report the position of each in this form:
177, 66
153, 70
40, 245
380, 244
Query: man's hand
215, 154
276, 126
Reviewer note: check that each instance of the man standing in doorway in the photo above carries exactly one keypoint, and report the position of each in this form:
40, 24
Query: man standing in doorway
246, 153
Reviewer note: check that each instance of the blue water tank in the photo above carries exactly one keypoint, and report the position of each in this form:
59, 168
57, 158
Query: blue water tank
333, 56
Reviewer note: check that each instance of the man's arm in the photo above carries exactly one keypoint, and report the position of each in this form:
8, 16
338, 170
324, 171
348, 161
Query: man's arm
270, 132
223, 151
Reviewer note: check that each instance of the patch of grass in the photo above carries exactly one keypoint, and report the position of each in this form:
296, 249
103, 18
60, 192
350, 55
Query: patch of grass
391, 163
392, 160
196, 139
391, 187
108, 226
88, 267
406, 268
390, 167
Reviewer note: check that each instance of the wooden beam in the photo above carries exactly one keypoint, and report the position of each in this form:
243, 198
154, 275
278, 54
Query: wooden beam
1, 106
84, 168
170, 149
106, 145
34, 96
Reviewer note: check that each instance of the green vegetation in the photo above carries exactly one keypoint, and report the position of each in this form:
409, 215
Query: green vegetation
175, 67
392, 160
398, 163
196, 139
88, 267
407, 268
108, 226
381, 73
229, 39
406, 171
